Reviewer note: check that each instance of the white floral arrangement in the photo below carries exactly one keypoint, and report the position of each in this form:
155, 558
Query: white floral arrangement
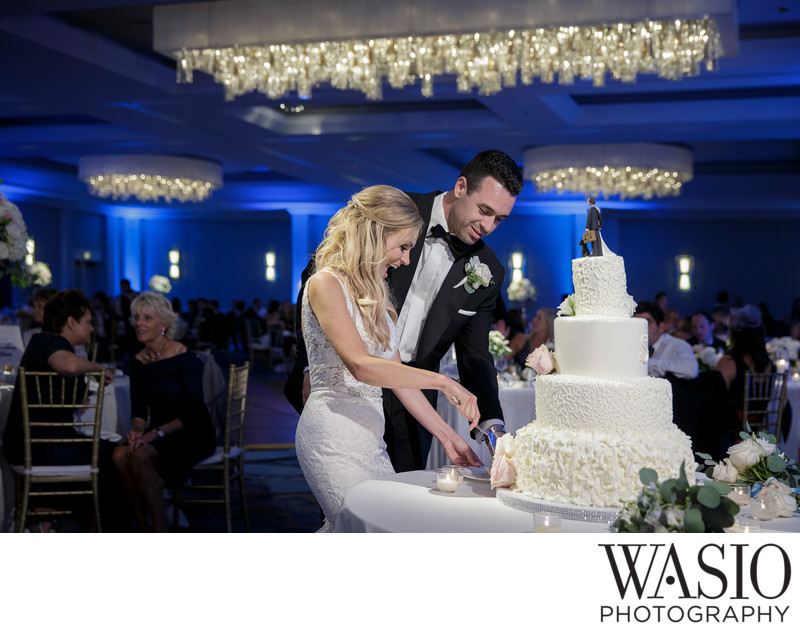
521, 290
498, 344
783, 347
477, 275
567, 307
707, 356
756, 460
13, 237
39, 273
160, 284
542, 361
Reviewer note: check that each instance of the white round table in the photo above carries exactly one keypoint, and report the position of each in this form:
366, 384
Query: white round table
410, 502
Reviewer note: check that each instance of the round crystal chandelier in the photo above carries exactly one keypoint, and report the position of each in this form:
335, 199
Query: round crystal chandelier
149, 178
628, 170
672, 49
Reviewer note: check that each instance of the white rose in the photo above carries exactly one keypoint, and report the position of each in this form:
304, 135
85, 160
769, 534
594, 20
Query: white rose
744, 454
725, 472
483, 271
766, 447
14, 230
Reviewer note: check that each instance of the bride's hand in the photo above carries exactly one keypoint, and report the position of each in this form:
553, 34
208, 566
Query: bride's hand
459, 452
465, 402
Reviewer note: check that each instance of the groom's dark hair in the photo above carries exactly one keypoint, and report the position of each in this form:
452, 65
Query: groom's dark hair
496, 164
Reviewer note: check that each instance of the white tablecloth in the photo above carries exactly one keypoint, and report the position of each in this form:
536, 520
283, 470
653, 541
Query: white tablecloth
410, 502
116, 422
517, 401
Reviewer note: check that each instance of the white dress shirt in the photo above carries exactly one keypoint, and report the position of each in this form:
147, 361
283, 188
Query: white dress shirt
672, 354
435, 262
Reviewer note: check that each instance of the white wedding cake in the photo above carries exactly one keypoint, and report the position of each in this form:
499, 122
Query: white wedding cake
600, 419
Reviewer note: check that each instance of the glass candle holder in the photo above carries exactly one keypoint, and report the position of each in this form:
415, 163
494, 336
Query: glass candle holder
759, 510
546, 522
446, 482
740, 493
455, 471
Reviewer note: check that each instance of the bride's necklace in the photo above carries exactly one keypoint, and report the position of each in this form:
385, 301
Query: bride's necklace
154, 356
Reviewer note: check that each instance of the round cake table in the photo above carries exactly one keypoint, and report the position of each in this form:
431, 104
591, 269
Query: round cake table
410, 502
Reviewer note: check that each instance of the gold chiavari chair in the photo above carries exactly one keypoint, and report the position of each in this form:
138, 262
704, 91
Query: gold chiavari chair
46, 394
226, 464
764, 402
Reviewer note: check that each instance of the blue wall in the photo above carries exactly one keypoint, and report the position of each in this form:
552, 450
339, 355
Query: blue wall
223, 257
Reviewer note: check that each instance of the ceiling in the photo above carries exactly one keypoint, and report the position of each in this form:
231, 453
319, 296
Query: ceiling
86, 81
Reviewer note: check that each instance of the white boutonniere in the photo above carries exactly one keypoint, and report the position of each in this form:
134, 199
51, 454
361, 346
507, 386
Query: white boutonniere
477, 275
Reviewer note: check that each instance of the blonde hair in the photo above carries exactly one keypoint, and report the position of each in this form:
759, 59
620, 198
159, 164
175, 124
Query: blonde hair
159, 306
355, 247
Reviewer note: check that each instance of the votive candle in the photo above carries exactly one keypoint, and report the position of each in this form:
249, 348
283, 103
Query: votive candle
545, 522
781, 365
740, 493
446, 482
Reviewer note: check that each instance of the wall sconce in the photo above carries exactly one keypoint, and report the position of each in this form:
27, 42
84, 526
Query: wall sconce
272, 271
30, 248
684, 268
517, 262
174, 264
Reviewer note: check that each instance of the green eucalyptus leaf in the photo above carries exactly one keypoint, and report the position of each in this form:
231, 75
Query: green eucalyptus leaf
669, 490
716, 519
745, 435
722, 488
705, 457
775, 463
708, 496
693, 520
647, 476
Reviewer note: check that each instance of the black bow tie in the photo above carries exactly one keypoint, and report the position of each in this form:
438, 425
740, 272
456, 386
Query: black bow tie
457, 246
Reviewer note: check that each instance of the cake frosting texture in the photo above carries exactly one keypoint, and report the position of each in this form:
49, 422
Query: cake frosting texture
601, 419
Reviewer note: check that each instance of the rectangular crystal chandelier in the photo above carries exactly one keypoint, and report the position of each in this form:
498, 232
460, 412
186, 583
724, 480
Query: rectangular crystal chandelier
283, 47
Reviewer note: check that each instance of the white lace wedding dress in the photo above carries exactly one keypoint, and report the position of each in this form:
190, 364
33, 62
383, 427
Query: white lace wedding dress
339, 436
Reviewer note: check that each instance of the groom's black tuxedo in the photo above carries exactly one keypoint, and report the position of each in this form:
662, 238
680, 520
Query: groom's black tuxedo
455, 317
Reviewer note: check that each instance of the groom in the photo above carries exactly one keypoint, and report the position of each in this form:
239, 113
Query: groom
438, 308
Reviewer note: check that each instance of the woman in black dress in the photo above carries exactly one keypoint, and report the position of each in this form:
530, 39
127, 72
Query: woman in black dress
171, 429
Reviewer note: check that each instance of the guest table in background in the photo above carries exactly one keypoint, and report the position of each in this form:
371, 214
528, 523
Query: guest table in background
517, 400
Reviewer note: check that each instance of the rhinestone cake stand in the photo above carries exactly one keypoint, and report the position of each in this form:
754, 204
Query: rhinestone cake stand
513, 499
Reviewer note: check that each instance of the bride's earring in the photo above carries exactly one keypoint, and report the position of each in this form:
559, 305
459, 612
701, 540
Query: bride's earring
163, 331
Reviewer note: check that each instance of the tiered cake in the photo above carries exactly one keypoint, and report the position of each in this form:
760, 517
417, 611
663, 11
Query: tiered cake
601, 418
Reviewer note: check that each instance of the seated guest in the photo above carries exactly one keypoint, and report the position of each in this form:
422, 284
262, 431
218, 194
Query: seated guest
541, 334
667, 353
171, 428
66, 322
721, 315
703, 332
747, 353
40, 298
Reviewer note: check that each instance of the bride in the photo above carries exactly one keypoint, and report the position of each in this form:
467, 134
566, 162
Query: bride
349, 328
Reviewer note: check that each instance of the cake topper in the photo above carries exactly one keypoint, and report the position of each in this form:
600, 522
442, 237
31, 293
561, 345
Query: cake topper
592, 235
